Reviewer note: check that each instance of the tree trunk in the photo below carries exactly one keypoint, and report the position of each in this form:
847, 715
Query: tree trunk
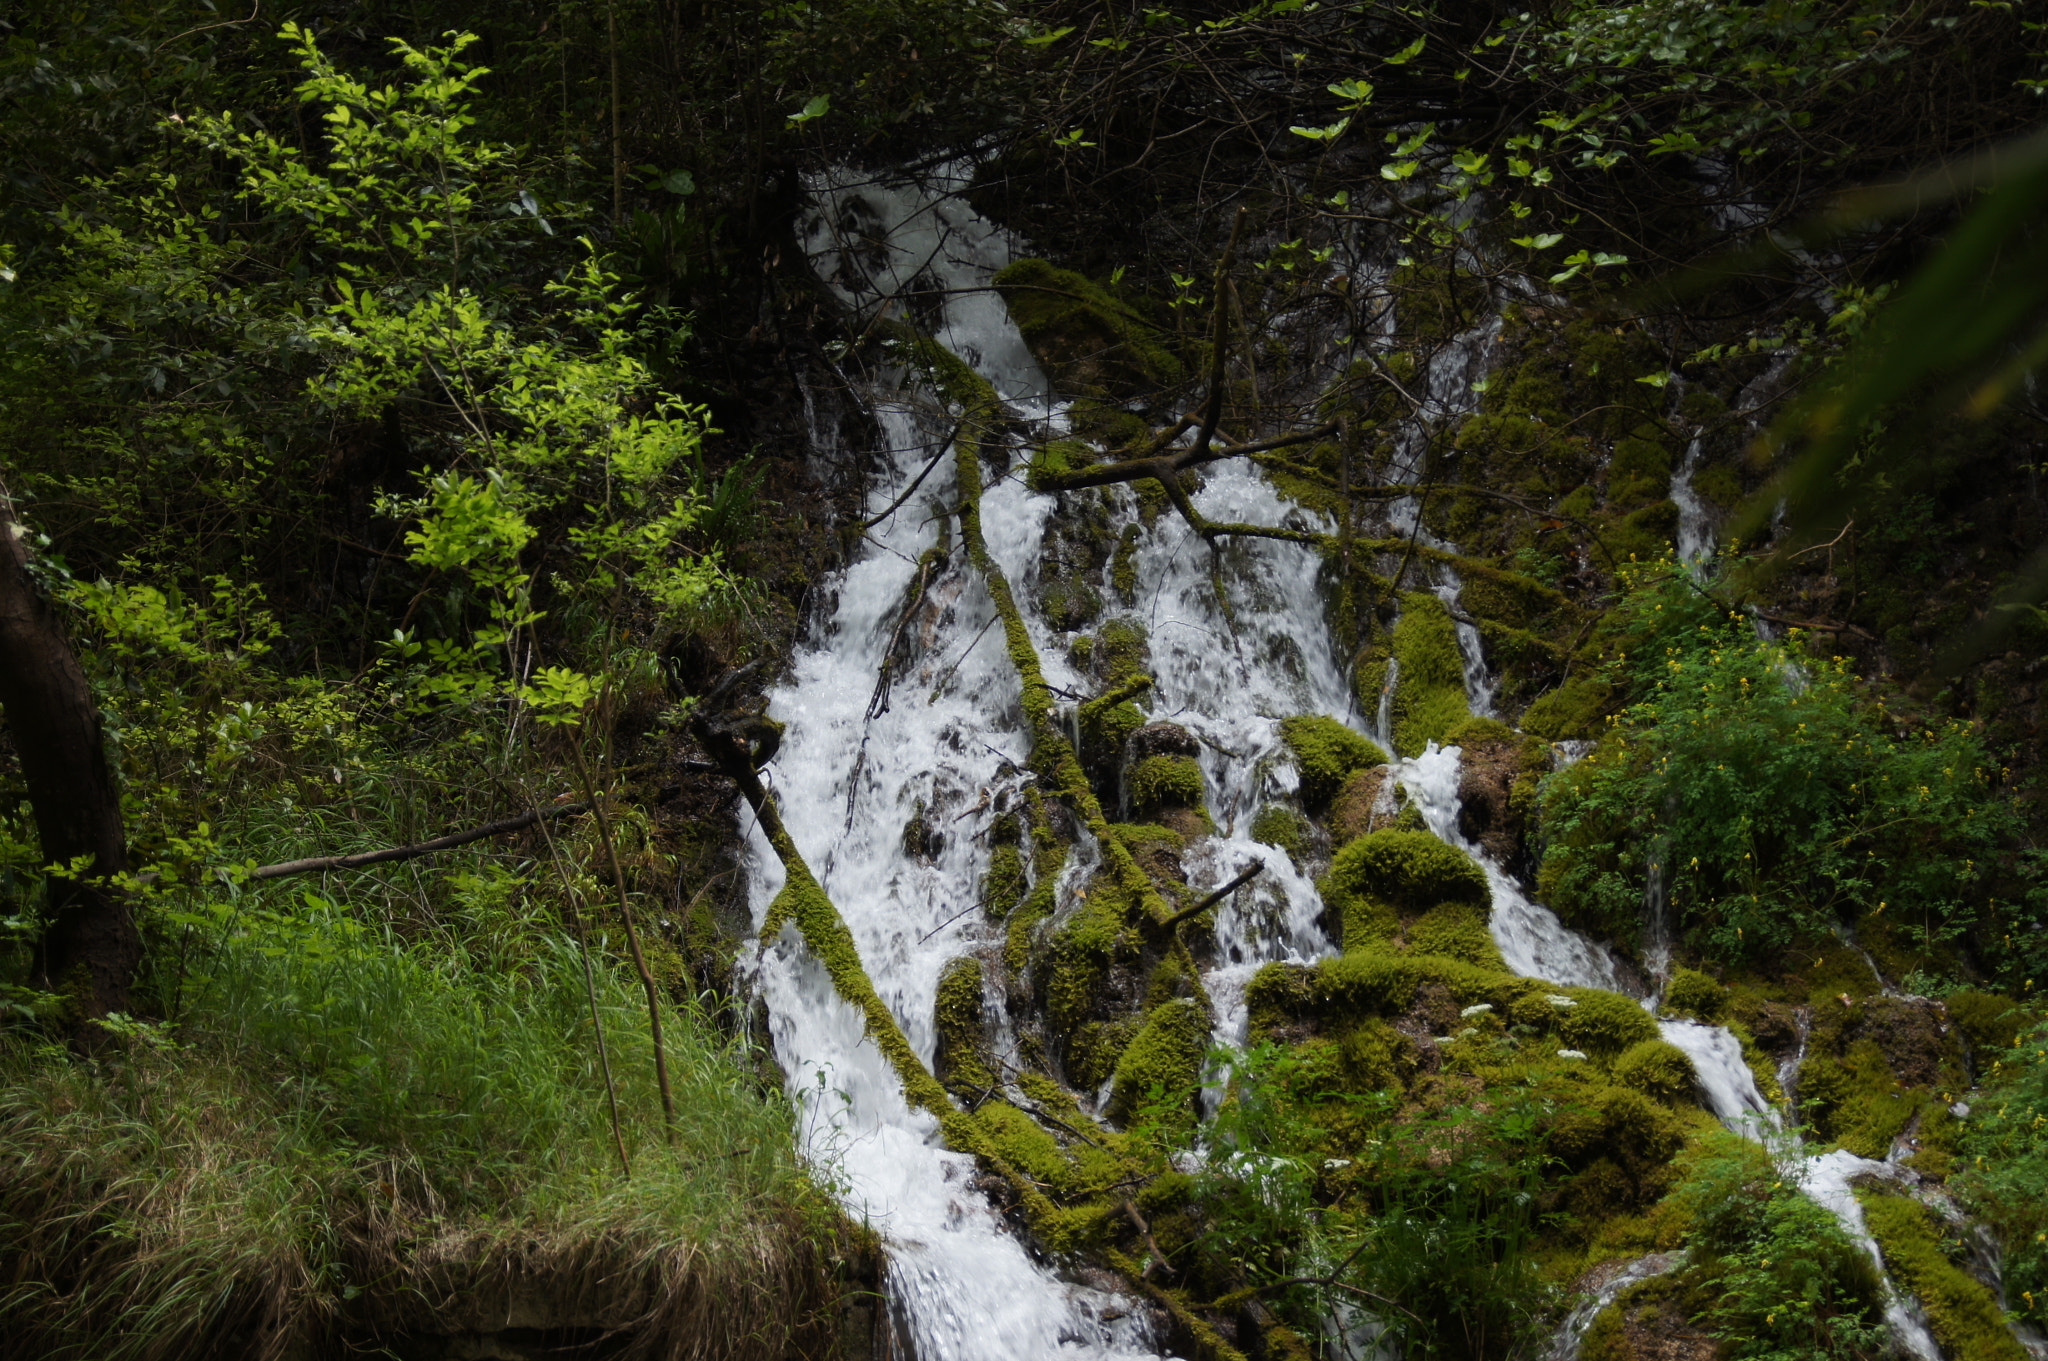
91, 947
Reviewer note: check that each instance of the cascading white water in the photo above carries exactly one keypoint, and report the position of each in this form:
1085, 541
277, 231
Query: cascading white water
961, 1284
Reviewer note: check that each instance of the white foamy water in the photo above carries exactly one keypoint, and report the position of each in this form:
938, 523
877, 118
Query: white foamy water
961, 1283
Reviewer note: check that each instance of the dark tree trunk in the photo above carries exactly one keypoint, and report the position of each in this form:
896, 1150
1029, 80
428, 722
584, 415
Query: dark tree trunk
91, 948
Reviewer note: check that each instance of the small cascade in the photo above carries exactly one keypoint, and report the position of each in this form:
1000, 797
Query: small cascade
1695, 535
962, 1285
1656, 930
1725, 1082
1532, 940
1571, 1334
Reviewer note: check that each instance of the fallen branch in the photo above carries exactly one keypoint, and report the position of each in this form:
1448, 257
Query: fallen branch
1244, 876
418, 849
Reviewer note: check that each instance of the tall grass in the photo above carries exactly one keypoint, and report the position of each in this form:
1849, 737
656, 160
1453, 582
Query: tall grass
350, 1134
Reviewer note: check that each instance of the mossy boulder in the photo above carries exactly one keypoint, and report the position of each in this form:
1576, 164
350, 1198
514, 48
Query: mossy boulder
1991, 1022
960, 1025
1089, 341
1068, 603
1657, 1069
1279, 826
1414, 871
1166, 1056
1962, 1314
1455, 931
1429, 684
1574, 710
1326, 753
1603, 1024
1357, 805
1159, 782
1692, 993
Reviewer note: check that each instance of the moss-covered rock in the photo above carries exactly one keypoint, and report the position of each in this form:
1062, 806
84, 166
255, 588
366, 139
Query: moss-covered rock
1165, 782
1963, 1315
959, 1022
1574, 710
1657, 1069
1068, 603
1089, 341
1455, 931
1356, 809
1326, 753
1604, 1024
1003, 885
1429, 684
1414, 871
1166, 1057
1692, 993
1282, 827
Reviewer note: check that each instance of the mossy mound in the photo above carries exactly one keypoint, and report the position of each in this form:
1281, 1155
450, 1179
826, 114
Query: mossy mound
1411, 870
1165, 1058
1455, 931
1089, 341
1279, 826
1604, 1024
1657, 1069
1003, 885
1992, 1022
1692, 993
960, 1025
1165, 782
1963, 1315
1574, 710
1326, 753
1429, 685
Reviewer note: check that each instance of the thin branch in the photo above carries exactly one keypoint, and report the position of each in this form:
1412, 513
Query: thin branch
322, 863
1244, 876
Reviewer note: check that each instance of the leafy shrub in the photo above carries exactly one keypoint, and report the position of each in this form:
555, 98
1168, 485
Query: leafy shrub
2004, 1180
1773, 1273
1773, 788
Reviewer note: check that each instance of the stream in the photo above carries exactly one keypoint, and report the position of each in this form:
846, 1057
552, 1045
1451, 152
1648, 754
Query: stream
943, 742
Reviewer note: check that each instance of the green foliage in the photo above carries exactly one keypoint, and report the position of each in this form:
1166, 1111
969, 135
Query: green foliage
1776, 1274
1326, 753
1774, 788
2004, 1179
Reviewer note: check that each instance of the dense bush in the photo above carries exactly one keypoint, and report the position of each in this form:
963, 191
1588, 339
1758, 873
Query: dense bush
1777, 792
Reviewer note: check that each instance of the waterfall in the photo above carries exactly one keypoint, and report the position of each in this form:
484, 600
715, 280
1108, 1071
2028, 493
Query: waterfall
962, 1285
1237, 641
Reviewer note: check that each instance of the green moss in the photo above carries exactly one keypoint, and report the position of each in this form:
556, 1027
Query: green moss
1990, 1021
1122, 649
959, 1023
1326, 753
1165, 1058
1067, 602
1855, 1100
1456, 931
1603, 1024
1475, 731
1963, 1315
1094, 1048
1166, 781
1280, 826
1123, 567
1576, 709
1106, 423
1692, 993
1003, 885
1026, 1145
1036, 907
1429, 685
1657, 1069
1414, 871
1087, 339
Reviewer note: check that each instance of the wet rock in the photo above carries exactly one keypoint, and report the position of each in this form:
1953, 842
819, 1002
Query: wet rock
1163, 739
1487, 815
1356, 809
